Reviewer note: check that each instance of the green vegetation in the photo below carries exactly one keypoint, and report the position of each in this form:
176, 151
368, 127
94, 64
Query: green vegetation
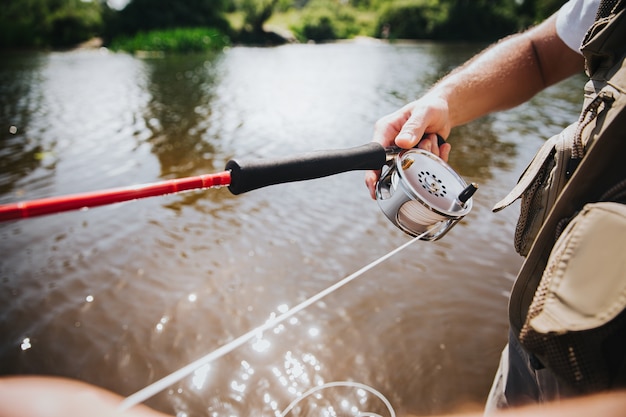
181, 40
41, 23
323, 20
430, 19
191, 25
146, 15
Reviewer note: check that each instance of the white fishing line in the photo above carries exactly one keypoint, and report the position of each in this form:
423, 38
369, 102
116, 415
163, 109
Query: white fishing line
417, 217
350, 384
160, 385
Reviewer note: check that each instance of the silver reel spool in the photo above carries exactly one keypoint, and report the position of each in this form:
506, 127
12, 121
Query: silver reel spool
422, 195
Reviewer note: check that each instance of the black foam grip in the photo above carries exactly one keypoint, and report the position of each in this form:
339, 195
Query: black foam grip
249, 175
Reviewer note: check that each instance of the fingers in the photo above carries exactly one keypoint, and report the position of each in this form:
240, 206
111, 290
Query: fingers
410, 135
371, 178
426, 115
431, 143
389, 127
406, 127
444, 151
386, 130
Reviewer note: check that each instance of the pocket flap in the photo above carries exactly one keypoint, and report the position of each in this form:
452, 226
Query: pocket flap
587, 284
534, 167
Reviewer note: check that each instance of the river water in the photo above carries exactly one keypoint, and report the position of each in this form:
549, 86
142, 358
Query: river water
122, 295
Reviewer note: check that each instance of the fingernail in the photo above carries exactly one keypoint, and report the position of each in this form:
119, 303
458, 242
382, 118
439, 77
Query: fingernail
405, 136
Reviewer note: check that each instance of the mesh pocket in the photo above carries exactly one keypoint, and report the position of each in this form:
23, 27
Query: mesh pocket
532, 211
590, 361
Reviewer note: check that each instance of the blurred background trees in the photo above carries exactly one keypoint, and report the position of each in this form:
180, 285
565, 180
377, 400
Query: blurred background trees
36, 23
145, 15
64, 23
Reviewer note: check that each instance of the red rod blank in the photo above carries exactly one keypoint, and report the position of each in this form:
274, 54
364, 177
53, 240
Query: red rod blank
52, 205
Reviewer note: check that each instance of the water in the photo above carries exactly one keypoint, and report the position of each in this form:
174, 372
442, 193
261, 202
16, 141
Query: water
121, 295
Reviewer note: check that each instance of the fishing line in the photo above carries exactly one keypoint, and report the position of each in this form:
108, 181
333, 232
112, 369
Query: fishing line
417, 217
160, 385
350, 384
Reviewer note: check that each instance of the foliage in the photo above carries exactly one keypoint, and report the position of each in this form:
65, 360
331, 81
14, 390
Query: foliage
74, 23
43, 23
450, 19
409, 19
538, 10
479, 20
324, 20
255, 13
181, 40
146, 15
54, 23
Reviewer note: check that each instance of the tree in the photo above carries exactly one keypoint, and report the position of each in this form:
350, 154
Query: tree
478, 20
75, 21
256, 13
538, 10
146, 15
483, 20
27, 23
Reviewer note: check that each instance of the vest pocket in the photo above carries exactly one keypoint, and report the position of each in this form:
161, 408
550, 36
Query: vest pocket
539, 186
576, 323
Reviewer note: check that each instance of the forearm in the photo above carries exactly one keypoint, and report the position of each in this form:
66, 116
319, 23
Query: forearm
503, 76
507, 74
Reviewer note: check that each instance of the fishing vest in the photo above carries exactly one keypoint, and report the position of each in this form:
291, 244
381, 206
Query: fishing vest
568, 303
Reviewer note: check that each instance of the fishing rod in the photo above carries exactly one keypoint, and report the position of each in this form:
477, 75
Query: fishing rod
239, 176
417, 191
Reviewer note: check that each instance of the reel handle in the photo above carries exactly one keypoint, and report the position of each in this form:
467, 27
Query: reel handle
248, 175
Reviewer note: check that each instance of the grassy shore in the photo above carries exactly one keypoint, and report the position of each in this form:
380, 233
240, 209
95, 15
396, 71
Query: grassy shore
181, 40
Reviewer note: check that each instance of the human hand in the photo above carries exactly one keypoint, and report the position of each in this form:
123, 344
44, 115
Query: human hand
44, 396
417, 123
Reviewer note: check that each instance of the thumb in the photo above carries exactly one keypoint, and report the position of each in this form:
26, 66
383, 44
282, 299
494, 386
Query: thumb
410, 134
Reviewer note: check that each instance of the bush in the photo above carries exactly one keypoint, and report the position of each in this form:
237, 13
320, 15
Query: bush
72, 26
318, 26
325, 20
479, 20
43, 23
410, 19
182, 40
146, 15
475, 20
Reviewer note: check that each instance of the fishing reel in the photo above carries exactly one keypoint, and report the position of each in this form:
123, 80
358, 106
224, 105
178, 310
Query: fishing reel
421, 194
